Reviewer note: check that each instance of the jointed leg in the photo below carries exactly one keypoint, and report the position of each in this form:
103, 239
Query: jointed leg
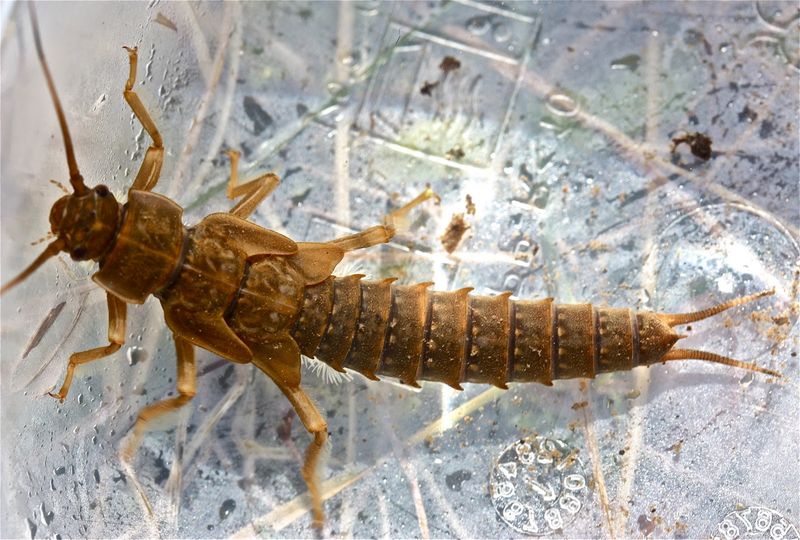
315, 424
187, 387
150, 169
253, 191
281, 370
117, 312
380, 234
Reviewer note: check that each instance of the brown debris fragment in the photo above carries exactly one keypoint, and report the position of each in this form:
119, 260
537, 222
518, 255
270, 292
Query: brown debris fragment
457, 227
284, 429
449, 64
163, 20
676, 448
428, 88
455, 154
470, 206
699, 144
454, 233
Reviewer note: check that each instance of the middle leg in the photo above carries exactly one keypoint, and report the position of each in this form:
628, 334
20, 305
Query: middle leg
187, 387
253, 191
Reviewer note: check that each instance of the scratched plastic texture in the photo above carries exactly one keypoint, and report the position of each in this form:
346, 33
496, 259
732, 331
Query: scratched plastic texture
557, 123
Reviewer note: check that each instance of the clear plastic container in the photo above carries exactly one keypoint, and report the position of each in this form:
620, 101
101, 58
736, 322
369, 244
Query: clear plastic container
556, 119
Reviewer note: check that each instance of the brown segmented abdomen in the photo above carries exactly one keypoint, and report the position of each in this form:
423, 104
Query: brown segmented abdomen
414, 334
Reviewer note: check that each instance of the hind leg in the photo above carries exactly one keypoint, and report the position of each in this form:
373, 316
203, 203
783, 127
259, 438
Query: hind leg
281, 362
380, 234
316, 425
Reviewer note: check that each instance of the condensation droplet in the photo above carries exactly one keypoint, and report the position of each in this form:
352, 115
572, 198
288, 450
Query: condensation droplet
562, 105
334, 87
747, 379
370, 8
645, 296
353, 59
136, 355
99, 102
630, 62
227, 507
501, 33
46, 517
511, 282
478, 25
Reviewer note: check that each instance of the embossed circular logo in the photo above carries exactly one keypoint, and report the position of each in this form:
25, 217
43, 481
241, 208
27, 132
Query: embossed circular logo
755, 522
538, 485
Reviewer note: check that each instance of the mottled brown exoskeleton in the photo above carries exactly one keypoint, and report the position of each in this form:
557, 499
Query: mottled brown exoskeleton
252, 295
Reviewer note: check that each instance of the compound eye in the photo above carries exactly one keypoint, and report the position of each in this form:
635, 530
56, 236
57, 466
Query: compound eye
101, 190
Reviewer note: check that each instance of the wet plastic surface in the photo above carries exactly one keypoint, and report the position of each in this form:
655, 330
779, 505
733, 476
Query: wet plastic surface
555, 118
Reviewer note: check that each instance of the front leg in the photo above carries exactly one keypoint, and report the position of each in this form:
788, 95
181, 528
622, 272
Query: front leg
117, 313
150, 169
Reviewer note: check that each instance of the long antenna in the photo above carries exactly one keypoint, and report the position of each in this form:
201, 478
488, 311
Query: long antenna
52, 249
75, 177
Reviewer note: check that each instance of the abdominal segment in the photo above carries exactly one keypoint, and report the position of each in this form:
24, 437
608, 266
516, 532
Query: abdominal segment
414, 334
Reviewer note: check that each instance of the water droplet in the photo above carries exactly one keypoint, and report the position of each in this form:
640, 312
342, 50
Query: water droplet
31, 527
370, 8
353, 59
562, 105
226, 508
334, 87
630, 62
511, 282
136, 355
478, 25
501, 32
47, 517
99, 102
645, 296
747, 379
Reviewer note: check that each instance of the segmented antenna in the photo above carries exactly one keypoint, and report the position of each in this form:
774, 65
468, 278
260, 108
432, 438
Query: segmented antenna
75, 177
52, 249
